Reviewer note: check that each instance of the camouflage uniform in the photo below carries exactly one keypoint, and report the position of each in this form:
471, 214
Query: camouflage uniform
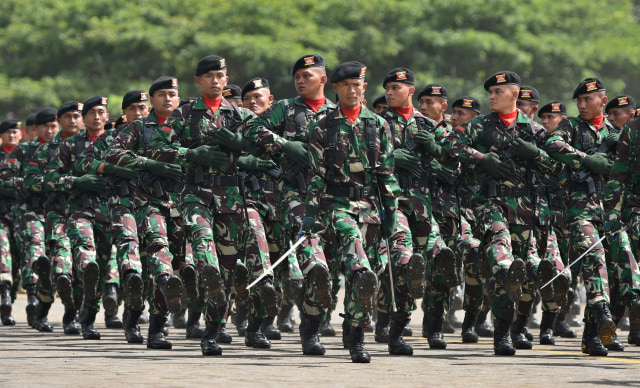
7, 233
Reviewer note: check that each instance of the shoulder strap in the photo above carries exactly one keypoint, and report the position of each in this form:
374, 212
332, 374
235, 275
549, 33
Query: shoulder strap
585, 137
79, 145
51, 149
147, 134
299, 115
489, 135
370, 135
332, 136
32, 151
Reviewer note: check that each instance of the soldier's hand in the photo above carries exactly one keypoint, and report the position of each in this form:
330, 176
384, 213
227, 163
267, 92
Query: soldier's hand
524, 150
598, 163
218, 158
612, 226
612, 140
201, 155
297, 152
498, 169
251, 163
311, 225
90, 183
388, 224
428, 140
121, 172
405, 160
165, 170
232, 140
443, 174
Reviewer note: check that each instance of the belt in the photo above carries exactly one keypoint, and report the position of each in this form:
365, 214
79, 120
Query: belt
268, 185
214, 180
409, 182
495, 190
352, 192
598, 185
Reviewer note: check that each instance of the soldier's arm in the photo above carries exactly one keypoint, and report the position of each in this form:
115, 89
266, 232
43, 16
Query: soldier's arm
166, 146
558, 146
387, 183
458, 144
318, 168
58, 175
263, 130
33, 178
91, 161
10, 178
122, 151
619, 179
544, 161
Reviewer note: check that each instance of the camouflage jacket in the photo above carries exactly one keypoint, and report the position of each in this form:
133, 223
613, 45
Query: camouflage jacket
179, 134
622, 195
352, 167
571, 141
7, 203
13, 172
488, 133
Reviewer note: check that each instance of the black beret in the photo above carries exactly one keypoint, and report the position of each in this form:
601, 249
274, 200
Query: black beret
380, 100
69, 106
31, 120
637, 110
8, 124
110, 124
307, 61
528, 93
187, 100
163, 83
255, 84
46, 115
122, 120
435, 90
623, 101
347, 70
232, 91
504, 77
589, 85
467, 102
134, 96
209, 63
94, 101
400, 74
553, 107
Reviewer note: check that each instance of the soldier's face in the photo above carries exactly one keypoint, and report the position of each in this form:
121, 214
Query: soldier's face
11, 137
529, 108
47, 131
350, 92
398, 94
620, 116
70, 123
381, 107
235, 101
461, 116
590, 105
258, 100
212, 83
502, 98
310, 83
550, 121
31, 132
164, 101
96, 118
432, 107
135, 111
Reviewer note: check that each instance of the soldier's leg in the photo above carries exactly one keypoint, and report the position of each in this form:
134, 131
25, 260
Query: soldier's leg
110, 275
6, 277
469, 247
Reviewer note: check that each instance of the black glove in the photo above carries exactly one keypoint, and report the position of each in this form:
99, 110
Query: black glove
90, 183
598, 163
443, 174
251, 163
207, 156
121, 172
524, 150
428, 140
297, 152
405, 160
498, 169
165, 170
232, 140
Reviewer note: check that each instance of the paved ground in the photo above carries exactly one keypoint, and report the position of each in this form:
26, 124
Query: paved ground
30, 358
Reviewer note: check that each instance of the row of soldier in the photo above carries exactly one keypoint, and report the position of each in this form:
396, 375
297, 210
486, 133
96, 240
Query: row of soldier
402, 203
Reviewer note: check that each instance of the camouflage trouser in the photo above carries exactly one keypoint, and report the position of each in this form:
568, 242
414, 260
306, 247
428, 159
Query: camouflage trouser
622, 269
548, 243
124, 230
633, 225
6, 265
181, 250
232, 241
428, 240
152, 229
58, 245
31, 230
401, 249
91, 241
357, 248
584, 234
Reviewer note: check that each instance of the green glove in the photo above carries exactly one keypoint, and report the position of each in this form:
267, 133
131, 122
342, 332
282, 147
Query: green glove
598, 163
388, 224
309, 224
524, 150
612, 226
121, 172
161, 169
296, 151
491, 163
612, 140
232, 140
428, 140
251, 163
405, 160
207, 156
443, 174
90, 183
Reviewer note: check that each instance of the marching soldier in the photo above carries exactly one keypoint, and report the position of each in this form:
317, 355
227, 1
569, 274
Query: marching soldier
620, 110
528, 100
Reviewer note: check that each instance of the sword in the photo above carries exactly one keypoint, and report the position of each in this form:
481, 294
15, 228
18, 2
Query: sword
280, 260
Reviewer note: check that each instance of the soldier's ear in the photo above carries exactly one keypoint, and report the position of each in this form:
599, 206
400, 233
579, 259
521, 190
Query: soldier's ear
412, 91
335, 87
323, 79
605, 99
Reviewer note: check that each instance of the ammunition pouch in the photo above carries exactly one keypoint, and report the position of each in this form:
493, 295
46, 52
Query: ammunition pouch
492, 189
214, 180
354, 193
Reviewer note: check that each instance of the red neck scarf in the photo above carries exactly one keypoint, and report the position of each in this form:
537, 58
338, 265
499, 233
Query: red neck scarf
63, 136
315, 104
352, 114
597, 121
8, 149
161, 120
93, 137
41, 141
405, 112
508, 118
212, 103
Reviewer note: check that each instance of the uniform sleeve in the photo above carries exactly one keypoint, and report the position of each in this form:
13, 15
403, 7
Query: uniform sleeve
166, 142
263, 130
122, 151
387, 183
458, 144
33, 177
558, 146
58, 176
620, 175
10, 177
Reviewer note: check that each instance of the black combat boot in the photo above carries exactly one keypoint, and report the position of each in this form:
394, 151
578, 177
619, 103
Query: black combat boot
562, 329
284, 319
434, 327
42, 267
397, 345
445, 262
193, 325
483, 328
223, 337
366, 284
171, 287
5, 305
469, 335
32, 304
253, 338
131, 328
269, 330
520, 340
381, 334
65, 290
311, 345
447, 326
208, 342
189, 278
242, 313
320, 281
512, 278
546, 328
241, 279
346, 330
110, 300
69, 324
356, 346
214, 285
155, 338
615, 345
545, 273
134, 288
42, 320
413, 274
87, 319
268, 297
634, 320
604, 322
501, 341
179, 320
591, 344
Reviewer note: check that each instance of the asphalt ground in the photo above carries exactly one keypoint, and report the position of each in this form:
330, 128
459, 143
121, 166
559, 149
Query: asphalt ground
30, 358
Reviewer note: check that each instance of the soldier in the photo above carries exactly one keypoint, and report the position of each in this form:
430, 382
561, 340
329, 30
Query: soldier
30, 130
256, 95
528, 100
10, 133
380, 103
135, 106
212, 201
352, 177
620, 110
233, 94
432, 102
464, 109
551, 114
